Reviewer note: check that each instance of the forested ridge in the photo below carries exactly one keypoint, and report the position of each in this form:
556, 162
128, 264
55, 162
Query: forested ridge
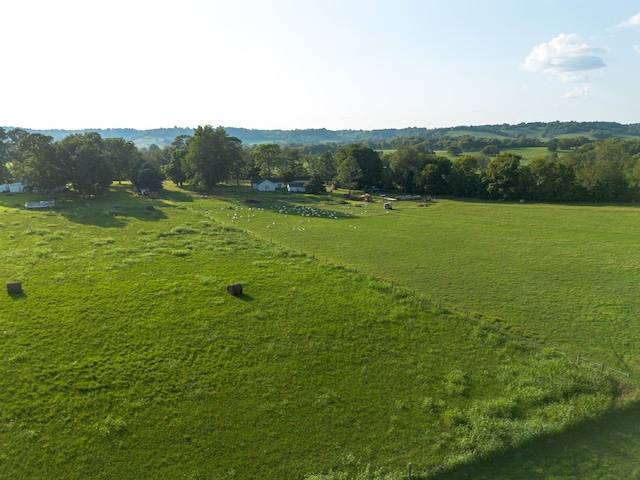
535, 130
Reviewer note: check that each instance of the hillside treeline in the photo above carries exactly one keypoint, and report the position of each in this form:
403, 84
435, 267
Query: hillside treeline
588, 170
376, 139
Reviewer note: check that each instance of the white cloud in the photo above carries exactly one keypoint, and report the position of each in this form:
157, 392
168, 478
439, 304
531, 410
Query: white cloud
630, 23
636, 48
565, 57
578, 91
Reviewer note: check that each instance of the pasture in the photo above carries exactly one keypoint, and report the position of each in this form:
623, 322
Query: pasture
349, 353
527, 153
565, 274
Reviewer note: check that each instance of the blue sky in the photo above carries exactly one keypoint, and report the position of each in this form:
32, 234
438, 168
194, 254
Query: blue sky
295, 64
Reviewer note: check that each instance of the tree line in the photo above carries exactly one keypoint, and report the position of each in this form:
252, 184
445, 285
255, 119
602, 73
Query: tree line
595, 171
587, 170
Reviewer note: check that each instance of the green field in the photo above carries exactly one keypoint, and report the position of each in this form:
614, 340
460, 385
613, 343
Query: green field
564, 274
365, 340
527, 154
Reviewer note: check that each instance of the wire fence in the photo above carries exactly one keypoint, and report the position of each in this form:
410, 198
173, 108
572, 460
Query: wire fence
534, 341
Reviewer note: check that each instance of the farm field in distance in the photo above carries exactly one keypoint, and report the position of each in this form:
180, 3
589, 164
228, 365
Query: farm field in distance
527, 154
350, 352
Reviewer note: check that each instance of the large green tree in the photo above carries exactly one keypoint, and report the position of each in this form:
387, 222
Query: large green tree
40, 165
601, 169
322, 166
603, 180
267, 157
407, 163
5, 174
174, 170
210, 156
551, 180
433, 178
10, 159
502, 176
145, 174
315, 185
85, 163
464, 177
122, 155
240, 161
368, 160
349, 171
292, 164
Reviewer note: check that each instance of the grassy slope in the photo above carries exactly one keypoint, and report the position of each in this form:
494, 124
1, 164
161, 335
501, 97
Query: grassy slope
126, 358
563, 273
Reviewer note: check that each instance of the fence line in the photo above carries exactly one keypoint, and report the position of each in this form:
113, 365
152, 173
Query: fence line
603, 367
580, 358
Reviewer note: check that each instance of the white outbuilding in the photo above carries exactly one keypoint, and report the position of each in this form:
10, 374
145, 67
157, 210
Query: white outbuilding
17, 187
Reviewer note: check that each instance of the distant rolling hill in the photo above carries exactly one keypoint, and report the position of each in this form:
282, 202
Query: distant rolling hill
539, 130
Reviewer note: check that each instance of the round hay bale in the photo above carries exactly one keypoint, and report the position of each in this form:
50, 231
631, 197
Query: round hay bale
14, 288
234, 289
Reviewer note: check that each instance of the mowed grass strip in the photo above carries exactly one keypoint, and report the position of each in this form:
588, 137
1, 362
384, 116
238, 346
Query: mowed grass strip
126, 358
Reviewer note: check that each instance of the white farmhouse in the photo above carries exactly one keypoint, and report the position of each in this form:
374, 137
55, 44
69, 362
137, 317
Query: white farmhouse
267, 184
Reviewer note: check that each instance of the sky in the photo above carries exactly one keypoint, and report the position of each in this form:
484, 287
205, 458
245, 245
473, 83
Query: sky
335, 64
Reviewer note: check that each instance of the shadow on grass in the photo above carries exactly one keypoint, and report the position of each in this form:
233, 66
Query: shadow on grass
111, 210
18, 296
114, 209
182, 195
528, 201
604, 448
246, 196
109, 216
244, 297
